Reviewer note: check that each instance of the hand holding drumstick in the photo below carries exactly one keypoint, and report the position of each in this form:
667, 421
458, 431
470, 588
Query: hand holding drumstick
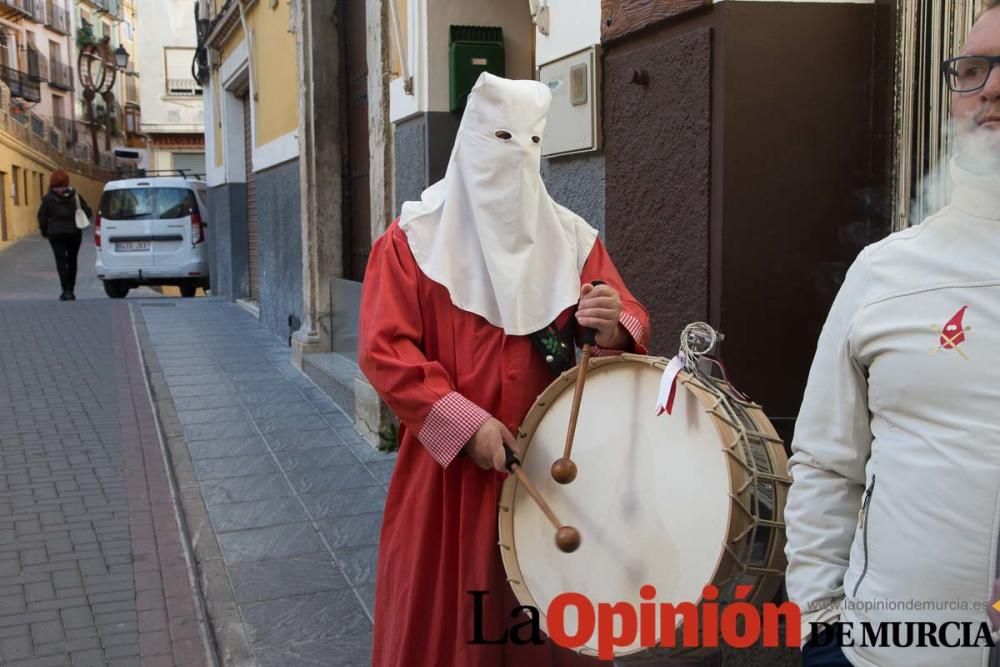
599, 313
600, 309
486, 447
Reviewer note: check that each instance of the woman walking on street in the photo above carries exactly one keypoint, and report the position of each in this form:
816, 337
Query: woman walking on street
57, 222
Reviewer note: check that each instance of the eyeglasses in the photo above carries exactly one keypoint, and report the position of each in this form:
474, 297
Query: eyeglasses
967, 74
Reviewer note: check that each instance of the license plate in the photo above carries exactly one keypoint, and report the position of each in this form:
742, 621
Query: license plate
132, 246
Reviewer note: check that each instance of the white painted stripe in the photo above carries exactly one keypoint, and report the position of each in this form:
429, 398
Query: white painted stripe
282, 149
401, 105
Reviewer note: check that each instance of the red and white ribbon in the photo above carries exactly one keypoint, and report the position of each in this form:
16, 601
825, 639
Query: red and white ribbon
668, 386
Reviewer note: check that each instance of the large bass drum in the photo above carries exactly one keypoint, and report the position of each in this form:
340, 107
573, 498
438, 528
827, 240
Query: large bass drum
677, 501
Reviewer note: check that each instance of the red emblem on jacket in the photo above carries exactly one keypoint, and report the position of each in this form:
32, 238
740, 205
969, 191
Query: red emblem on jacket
953, 333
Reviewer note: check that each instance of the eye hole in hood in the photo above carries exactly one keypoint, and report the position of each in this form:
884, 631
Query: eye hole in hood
503, 134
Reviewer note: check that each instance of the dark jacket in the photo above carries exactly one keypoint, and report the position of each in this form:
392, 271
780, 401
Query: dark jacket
57, 214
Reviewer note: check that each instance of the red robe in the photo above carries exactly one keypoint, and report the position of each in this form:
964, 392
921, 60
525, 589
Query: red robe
443, 372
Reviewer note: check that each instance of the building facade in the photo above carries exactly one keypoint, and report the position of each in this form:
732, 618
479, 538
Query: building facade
735, 155
118, 114
39, 128
252, 157
171, 96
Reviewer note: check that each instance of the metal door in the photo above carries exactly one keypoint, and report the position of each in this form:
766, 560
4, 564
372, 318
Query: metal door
253, 259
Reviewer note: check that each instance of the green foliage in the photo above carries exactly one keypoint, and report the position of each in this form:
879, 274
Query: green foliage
85, 36
388, 438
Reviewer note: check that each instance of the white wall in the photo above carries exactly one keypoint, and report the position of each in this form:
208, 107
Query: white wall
165, 23
574, 25
428, 24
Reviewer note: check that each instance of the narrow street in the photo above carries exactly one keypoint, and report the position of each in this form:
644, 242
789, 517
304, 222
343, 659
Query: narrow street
28, 272
173, 491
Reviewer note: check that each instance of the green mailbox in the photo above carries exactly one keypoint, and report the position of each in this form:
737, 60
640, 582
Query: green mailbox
472, 50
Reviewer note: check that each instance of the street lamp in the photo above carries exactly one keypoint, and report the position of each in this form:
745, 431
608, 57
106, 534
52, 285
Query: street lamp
98, 68
121, 57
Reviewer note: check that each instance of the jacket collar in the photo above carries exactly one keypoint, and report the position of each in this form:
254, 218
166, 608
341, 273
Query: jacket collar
974, 193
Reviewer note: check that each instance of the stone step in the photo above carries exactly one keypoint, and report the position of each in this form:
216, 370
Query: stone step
340, 378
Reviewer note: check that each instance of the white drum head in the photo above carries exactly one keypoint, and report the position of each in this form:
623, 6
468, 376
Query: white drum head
651, 498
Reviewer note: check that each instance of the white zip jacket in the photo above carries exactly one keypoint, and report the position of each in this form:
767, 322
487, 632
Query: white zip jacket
896, 457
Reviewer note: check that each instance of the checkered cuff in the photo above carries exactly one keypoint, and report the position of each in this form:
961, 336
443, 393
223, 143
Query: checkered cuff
451, 423
634, 328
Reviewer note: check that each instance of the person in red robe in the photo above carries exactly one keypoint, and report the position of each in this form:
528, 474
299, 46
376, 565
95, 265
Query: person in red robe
452, 293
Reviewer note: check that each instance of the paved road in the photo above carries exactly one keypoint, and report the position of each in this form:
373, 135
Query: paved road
28, 272
93, 568
279, 496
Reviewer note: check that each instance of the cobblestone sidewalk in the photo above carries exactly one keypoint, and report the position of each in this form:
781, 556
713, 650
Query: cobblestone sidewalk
282, 495
93, 570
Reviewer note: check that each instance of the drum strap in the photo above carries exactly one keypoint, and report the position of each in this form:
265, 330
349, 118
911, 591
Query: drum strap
557, 345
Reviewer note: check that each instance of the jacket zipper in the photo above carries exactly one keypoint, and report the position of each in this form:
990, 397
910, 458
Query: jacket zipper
863, 520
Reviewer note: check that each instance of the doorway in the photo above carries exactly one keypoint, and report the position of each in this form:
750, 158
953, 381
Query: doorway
253, 235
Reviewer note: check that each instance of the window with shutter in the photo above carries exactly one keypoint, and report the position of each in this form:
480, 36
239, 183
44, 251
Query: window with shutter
177, 61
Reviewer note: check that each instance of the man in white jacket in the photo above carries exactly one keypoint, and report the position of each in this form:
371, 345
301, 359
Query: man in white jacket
893, 516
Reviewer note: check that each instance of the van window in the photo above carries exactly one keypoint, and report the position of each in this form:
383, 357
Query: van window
129, 204
174, 203
147, 203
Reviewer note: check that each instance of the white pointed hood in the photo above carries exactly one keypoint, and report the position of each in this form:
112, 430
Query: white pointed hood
488, 231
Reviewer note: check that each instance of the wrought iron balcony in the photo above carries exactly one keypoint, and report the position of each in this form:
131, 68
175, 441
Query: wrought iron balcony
37, 126
16, 9
68, 128
38, 65
37, 10
21, 84
60, 75
56, 18
113, 7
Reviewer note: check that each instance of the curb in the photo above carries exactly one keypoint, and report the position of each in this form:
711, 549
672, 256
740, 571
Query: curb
225, 635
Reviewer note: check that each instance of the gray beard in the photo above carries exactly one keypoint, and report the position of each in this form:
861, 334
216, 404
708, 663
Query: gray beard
979, 151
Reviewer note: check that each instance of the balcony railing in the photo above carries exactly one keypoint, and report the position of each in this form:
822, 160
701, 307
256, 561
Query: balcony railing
38, 126
38, 66
77, 158
183, 87
60, 75
67, 126
37, 10
56, 18
16, 9
21, 84
112, 7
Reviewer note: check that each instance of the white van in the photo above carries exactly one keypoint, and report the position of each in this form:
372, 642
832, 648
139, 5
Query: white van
151, 231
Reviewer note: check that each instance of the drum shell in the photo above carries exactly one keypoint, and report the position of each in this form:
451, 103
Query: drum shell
737, 421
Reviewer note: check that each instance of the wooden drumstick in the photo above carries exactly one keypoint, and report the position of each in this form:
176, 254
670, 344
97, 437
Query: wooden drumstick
564, 470
567, 537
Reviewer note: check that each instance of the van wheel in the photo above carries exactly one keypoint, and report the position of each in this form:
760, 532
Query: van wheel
188, 291
116, 289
